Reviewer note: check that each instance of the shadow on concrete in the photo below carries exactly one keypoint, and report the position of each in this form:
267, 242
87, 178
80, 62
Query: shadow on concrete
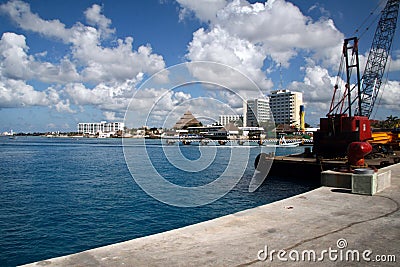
341, 190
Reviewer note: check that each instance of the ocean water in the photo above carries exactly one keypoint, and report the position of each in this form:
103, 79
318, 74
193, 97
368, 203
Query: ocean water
63, 195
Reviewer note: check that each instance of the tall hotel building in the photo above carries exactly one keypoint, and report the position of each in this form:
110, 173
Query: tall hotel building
256, 111
100, 127
285, 106
226, 119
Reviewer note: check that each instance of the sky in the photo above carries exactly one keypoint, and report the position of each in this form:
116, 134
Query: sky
64, 62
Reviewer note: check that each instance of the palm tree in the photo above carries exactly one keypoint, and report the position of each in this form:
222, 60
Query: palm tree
391, 122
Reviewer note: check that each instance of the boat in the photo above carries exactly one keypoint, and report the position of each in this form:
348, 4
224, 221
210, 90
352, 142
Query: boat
283, 143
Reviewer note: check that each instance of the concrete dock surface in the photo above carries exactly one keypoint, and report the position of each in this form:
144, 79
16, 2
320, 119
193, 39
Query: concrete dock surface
323, 227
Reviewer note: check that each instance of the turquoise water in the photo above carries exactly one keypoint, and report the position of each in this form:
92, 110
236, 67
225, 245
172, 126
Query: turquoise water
62, 195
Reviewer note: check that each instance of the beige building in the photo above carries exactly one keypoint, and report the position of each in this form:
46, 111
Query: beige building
285, 106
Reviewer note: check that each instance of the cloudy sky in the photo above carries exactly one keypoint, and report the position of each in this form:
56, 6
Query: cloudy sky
64, 62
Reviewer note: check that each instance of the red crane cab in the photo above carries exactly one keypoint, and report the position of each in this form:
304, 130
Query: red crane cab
337, 132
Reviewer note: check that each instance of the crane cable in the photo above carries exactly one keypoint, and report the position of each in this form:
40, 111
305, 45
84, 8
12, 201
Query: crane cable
340, 74
371, 14
375, 18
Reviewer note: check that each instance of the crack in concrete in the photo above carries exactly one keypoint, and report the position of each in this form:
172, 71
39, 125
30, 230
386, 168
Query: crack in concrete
335, 231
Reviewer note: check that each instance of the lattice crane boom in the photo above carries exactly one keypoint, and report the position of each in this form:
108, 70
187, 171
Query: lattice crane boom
377, 58
362, 102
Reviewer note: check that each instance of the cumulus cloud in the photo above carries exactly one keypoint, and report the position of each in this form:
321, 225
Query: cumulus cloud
118, 63
108, 97
21, 14
155, 106
16, 94
95, 18
63, 106
217, 45
394, 62
390, 96
267, 25
111, 116
113, 71
14, 60
317, 88
205, 10
98, 63
16, 63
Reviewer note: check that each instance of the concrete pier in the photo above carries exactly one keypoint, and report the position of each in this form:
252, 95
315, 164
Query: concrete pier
323, 219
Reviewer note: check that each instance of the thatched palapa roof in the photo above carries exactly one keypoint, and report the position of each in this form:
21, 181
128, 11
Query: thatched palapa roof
187, 120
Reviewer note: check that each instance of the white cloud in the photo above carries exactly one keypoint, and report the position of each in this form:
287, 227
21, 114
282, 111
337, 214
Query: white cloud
16, 63
98, 63
219, 46
319, 83
281, 37
85, 96
113, 71
95, 18
267, 26
16, 93
63, 106
205, 10
156, 106
118, 63
20, 12
14, 60
390, 95
394, 62
51, 126
317, 89
110, 116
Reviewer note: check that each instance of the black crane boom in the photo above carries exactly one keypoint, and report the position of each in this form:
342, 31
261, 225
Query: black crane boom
377, 58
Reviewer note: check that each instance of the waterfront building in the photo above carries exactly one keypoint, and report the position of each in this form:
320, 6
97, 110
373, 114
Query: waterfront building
256, 111
100, 127
214, 131
285, 107
11, 133
226, 119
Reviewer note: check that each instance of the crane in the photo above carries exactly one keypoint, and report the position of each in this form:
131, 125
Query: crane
377, 58
341, 126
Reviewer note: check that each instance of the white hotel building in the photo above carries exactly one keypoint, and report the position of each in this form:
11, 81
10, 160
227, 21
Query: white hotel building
100, 127
256, 111
226, 119
285, 106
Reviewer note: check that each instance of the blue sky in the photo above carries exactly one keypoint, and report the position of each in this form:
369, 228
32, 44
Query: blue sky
64, 62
